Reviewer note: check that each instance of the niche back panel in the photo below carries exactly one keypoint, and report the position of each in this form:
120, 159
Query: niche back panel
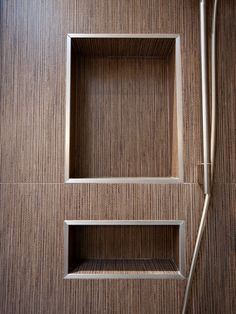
124, 114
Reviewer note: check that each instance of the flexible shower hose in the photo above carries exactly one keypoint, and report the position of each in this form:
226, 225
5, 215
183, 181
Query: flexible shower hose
212, 161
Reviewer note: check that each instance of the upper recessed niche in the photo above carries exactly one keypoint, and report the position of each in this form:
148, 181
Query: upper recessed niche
123, 109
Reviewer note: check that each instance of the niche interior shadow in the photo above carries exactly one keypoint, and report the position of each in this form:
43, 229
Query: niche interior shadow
124, 102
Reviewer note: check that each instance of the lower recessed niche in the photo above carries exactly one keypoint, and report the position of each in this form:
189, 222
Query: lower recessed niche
124, 249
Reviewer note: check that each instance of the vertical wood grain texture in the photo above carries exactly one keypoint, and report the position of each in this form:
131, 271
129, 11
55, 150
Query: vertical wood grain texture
120, 123
217, 262
32, 247
34, 54
226, 86
34, 200
214, 285
173, 114
124, 47
123, 242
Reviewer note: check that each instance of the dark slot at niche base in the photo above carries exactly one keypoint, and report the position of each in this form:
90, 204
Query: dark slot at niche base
135, 250
125, 265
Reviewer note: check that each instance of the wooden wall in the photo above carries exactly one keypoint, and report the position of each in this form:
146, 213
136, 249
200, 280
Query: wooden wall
34, 199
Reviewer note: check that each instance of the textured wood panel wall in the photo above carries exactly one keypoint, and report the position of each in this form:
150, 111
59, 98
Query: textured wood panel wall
34, 199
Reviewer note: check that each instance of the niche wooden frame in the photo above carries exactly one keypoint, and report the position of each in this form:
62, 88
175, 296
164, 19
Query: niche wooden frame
177, 145
179, 250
